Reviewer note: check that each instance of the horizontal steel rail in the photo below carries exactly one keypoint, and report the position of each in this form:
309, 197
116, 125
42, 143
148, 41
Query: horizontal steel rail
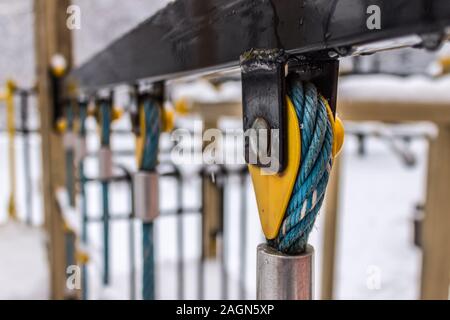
193, 36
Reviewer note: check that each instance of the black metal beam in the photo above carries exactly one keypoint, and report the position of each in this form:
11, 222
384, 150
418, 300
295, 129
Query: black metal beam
192, 36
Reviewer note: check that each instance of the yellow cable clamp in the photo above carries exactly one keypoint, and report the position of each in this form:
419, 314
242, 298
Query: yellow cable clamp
168, 119
117, 113
81, 257
61, 125
182, 106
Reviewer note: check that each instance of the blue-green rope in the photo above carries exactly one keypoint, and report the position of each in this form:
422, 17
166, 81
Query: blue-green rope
84, 231
315, 167
105, 137
105, 205
82, 110
148, 163
105, 123
153, 128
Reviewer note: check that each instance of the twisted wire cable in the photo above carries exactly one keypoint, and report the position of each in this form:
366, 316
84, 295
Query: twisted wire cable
84, 231
148, 163
105, 137
315, 167
105, 119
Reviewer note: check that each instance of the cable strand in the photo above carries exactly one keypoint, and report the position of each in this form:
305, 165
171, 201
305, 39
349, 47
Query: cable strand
315, 167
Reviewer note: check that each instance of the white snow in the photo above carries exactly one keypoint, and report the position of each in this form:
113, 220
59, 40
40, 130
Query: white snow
376, 231
414, 88
23, 266
203, 91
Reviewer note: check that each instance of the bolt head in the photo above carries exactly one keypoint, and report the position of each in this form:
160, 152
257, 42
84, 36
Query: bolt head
261, 138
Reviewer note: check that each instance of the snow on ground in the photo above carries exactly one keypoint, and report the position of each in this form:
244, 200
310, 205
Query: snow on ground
23, 263
376, 230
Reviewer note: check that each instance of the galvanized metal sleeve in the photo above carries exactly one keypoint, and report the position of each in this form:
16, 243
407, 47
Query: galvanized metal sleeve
284, 277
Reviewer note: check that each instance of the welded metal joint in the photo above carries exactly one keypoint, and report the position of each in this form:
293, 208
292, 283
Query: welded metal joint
146, 195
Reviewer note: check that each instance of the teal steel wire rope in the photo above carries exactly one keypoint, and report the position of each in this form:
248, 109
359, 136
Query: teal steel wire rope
84, 218
148, 163
105, 140
315, 167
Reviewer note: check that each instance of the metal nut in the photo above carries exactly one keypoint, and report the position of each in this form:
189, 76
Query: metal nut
259, 138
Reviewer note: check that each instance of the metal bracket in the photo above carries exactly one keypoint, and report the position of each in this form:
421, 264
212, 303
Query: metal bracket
264, 74
263, 99
323, 72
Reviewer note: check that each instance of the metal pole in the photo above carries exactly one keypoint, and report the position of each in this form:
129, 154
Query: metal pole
180, 235
131, 234
284, 277
26, 155
222, 235
243, 234
202, 258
